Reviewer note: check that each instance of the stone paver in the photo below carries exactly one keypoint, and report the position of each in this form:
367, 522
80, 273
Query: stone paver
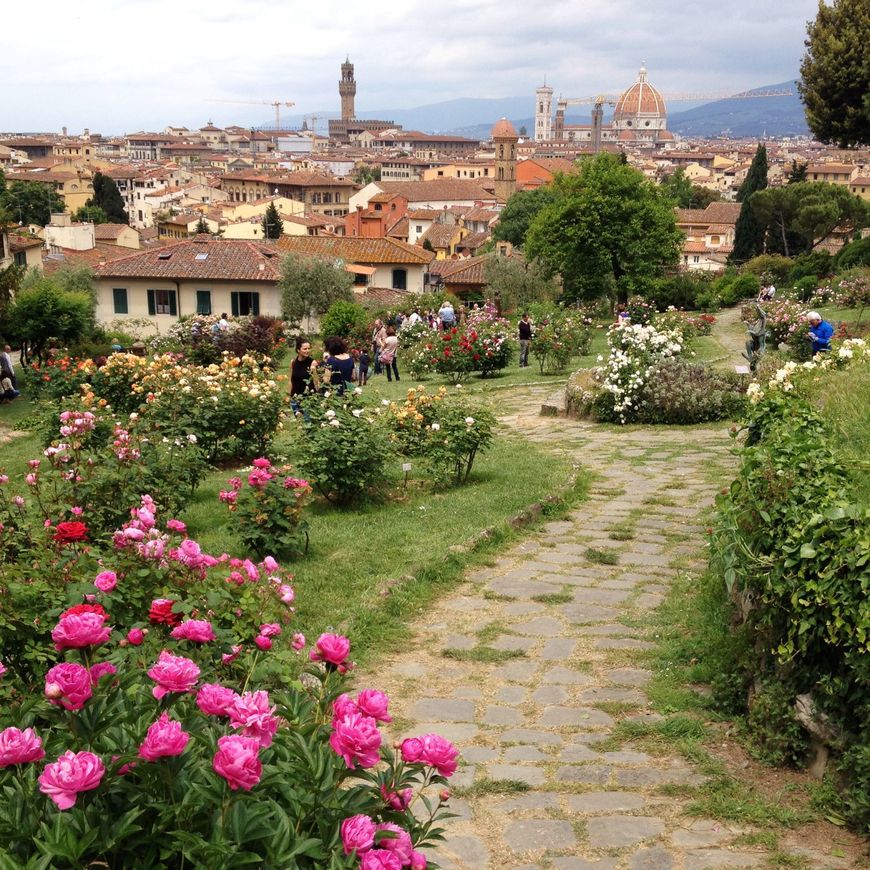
538, 720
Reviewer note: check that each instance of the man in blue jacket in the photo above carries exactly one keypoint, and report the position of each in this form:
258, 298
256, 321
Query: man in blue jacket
820, 332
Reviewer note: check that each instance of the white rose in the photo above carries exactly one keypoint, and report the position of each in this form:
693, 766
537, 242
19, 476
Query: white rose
335, 423
469, 421
436, 427
330, 414
357, 412
357, 391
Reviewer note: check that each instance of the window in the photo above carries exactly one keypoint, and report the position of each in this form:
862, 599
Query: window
203, 301
20, 258
119, 300
203, 256
696, 259
378, 206
419, 228
244, 303
400, 279
162, 302
360, 280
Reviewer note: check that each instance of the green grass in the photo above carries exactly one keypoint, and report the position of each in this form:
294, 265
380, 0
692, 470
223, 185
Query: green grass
485, 787
554, 598
621, 533
602, 557
483, 654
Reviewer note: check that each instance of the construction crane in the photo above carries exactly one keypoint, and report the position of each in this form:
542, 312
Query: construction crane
599, 101
276, 105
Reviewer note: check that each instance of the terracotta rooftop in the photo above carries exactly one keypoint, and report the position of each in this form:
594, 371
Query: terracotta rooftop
463, 271
356, 250
715, 213
109, 231
440, 235
438, 190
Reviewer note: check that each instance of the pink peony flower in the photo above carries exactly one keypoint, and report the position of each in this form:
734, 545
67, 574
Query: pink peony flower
262, 462
176, 526
373, 703
228, 658
165, 738
356, 739
100, 670
344, 705
332, 649
228, 496
418, 861
357, 834
19, 747
3, 669
79, 630
380, 859
432, 750
68, 685
236, 482
214, 699
270, 629
252, 712
73, 772
173, 674
237, 760
106, 581
197, 630
286, 593
298, 641
259, 477
264, 643
400, 845
270, 564
135, 636
397, 800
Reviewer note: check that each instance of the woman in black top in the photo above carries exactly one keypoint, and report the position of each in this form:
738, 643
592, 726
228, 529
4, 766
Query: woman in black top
339, 362
303, 372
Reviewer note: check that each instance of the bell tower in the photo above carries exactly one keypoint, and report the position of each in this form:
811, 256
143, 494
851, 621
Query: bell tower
504, 138
543, 113
347, 91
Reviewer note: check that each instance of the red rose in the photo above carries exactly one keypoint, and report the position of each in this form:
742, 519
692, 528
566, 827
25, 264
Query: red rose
70, 533
161, 612
85, 608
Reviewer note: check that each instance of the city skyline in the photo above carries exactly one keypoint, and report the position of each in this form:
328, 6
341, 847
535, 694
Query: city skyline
147, 65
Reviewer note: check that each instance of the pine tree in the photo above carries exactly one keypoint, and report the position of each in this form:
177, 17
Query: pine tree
749, 233
202, 227
797, 173
108, 198
272, 224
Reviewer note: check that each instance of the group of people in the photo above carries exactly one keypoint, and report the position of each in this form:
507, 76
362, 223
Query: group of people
8, 382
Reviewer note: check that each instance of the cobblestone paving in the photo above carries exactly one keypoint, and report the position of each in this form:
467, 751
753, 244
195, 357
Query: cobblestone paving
574, 625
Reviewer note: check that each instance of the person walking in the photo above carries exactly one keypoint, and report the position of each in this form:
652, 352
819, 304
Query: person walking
525, 335
379, 335
389, 352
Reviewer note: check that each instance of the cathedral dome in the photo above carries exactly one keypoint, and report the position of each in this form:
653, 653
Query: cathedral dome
641, 99
503, 129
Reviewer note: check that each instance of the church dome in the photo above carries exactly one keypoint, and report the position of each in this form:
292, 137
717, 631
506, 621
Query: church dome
640, 99
503, 129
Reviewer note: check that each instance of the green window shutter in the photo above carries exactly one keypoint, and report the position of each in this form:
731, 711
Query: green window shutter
203, 301
152, 305
234, 302
173, 304
255, 304
119, 300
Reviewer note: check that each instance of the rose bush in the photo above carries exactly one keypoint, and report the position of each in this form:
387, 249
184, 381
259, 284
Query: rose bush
559, 334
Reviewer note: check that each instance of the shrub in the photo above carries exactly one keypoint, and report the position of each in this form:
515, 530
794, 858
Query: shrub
341, 446
770, 267
349, 321
689, 326
853, 255
558, 336
267, 512
200, 342
680, 290
805, 288
732, 288
640, 310
816, 265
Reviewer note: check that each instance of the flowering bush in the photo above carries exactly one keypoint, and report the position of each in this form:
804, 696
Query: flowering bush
199, 342
640, 310
688, 325
559, 335
132, 757
634, 350
267, 509
785, 318
341, 446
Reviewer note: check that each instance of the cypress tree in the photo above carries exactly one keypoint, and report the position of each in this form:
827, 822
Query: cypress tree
108, 198
272, 224
201, 227
749, 233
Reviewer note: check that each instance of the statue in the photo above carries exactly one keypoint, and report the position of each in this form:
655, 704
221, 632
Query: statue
756, 343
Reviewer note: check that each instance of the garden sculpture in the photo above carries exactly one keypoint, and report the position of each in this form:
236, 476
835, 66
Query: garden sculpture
755, 344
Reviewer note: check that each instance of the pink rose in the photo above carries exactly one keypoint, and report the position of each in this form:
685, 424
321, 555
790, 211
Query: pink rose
176, 526
262, 462
270, 629
259, 477
135, 636
73, 772
68, 685
270, 564
332, 649
106, 581
356, 739
237, 760
214, 699
374, 703
165, 738
344, 705
433, 750
286, 593
252, 712
197, 630
380, 859
79, 630
357, 834
100, 670
400, 845
298, 641
132, 534
173, 674
397, 800
19, 747
264, 643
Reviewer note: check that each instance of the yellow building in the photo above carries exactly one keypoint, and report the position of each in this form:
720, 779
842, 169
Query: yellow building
860, 186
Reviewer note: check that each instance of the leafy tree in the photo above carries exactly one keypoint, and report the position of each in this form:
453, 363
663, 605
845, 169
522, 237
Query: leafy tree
201, 227
45, 311
835, 73
92, 213
30, 202
108, 198
678, 188
310, 285
428, 246
856, 253
516, 282
10, 279
802, 215
797, 173
347, 320
749, 233
608, 228
519, 212
272, 224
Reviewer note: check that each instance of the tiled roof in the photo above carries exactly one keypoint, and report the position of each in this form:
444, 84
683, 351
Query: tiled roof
63, 258
438, 190
299, 178
399, 229
480, 214
440, 235
425, 214
473, 241
719, 228
109, 231
467, 271
715, 213
227, 260
385, 296
356, 250
22, 243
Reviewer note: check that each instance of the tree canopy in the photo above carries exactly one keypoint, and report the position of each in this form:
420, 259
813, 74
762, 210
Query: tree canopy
309, 285
108, 198
516, 282
835, 73
519, 212
608, 229
679, 187
28, 202
92, 213
749, 232
272, 224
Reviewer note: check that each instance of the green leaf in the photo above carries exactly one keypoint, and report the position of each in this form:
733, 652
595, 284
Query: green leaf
808, 551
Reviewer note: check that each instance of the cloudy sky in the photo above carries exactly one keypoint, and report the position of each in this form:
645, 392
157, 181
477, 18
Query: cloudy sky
143, 64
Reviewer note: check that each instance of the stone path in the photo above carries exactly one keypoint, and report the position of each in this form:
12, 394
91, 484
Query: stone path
532, 663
